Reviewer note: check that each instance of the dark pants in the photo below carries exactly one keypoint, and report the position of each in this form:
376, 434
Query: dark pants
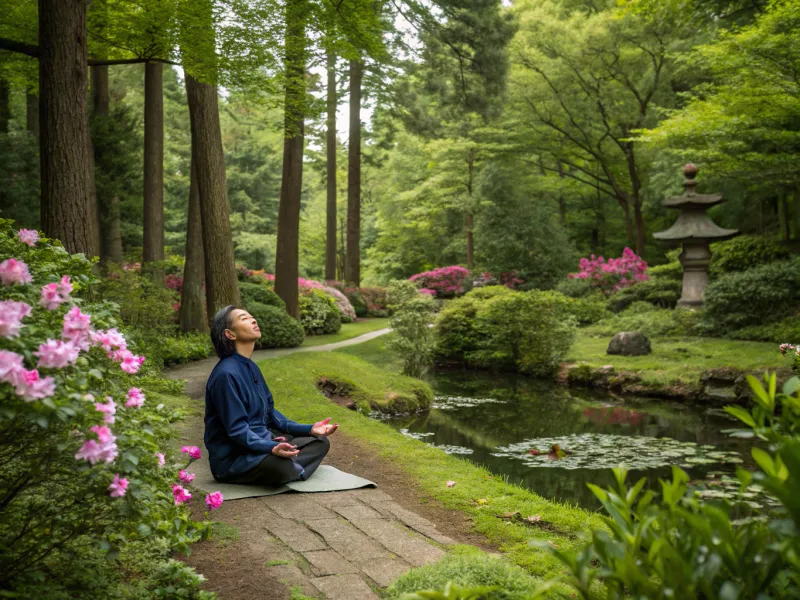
277, 470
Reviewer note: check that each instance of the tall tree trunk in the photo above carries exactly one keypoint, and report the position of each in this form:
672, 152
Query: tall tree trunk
626, 208
640, 229
64, 124
32, 113
5, 105
353, 273
287, 259
193, 314
470, 220
330, 141
94, 207
153, 240
222, 288
100, 95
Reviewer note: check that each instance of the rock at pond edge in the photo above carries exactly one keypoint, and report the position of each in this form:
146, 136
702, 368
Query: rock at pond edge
629, 343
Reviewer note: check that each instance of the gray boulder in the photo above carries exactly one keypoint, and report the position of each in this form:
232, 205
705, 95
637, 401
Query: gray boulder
629, 343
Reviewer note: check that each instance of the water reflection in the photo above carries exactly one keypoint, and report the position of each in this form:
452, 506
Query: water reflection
482, 413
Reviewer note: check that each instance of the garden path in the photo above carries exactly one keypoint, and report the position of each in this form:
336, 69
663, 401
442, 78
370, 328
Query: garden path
346, 545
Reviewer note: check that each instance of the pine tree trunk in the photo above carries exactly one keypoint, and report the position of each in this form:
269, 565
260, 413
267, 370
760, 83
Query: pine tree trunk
153, 214
470, 221
94, 207
353, 272
64, 124
330, 141
5, 105
100, 95
193, 314
222, 288
32, 114
287, 255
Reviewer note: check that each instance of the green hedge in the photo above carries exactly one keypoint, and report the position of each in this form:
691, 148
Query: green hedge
660, 292
254, 292
185, 348
318, 313
743, 253
278, 329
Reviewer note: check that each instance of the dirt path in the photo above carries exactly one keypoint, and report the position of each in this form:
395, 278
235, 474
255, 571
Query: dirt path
334, 545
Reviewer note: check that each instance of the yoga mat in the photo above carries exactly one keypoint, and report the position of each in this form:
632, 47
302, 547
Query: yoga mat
325, 479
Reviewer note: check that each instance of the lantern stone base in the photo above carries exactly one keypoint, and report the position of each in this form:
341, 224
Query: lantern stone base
695, 259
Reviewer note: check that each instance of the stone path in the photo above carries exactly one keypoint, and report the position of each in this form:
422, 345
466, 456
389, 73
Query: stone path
342, 545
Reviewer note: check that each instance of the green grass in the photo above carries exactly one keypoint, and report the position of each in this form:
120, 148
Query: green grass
677, 360
293, 382
377, 352
348, 331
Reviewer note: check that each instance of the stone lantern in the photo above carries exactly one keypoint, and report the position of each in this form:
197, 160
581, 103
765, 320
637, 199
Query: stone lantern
696, 230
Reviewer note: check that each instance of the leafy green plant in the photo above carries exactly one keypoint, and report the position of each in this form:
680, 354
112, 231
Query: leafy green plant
318, 312
413, 337
259, 292
278, 329
743, 253
661, 292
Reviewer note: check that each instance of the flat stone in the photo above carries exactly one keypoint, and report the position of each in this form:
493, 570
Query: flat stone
329, 562
400, 540
408, 517
371, 496
358, 511
296, 506
334, 499
348, 541
291, 576
383, 572
344, 587
433, 533
295, 535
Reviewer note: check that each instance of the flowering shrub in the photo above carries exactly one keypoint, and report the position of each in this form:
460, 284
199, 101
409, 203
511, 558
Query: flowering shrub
80, 451
318, 312
346, 311
792, 349
173, 282
613, 274
510, 279
445, 281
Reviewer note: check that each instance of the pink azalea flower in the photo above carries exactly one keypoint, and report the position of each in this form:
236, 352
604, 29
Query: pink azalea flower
192, 451
64, 287
31, 386
11, 315
118, 487
161, 459
55, 354
184, 475
451, 483
130, 363
14, 271
28, 236
109, 409
95, 452
180, 494
51, 299
76, 328
109, 339
135, 398
214, 500
10, 366
103, 433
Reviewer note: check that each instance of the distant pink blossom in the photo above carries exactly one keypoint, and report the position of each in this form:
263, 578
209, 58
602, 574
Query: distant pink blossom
28, 236
161, 459
180, 494
118, 487
427, 291
56, 354
109, 409
614, 274
214, 500
784, 348
31, 386
445, 281
11, 315
135, 398
14, 271
184, 475
309, 283
192, 451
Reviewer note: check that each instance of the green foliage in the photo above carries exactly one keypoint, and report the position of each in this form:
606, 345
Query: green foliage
19, 178
587, 310
661, 292
574, 287
778, 332
357, 300
185, 347
671, 270
259, 292
763, 294
278, 329
411, 322
639, 316
318, 313
177, 581
743, 253
399, 292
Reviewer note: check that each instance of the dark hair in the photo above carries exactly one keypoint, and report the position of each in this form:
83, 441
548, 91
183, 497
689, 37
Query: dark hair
222, 321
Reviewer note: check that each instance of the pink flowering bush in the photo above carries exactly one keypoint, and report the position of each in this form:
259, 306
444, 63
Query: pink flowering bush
445, 281
613, 274
82, 456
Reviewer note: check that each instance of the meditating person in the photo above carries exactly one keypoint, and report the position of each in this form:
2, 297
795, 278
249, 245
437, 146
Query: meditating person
241, 420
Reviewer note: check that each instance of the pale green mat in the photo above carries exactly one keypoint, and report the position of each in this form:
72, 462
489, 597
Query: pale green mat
324, 479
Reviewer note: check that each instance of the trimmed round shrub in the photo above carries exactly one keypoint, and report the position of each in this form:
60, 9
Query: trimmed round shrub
184, 348
346, 311
357, 301
743, 253
663, 293
318, 313
574, 288
445, 281
641, 316
764, 294
254, 292
587, 310
671, 270
779, 332
278, 329
377, 301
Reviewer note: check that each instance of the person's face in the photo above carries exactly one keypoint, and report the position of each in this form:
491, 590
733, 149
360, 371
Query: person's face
243, 328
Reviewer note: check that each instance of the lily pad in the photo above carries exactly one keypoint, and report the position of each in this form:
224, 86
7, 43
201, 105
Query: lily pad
453, 402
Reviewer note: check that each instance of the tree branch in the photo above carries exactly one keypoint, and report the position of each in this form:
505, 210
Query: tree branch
33, 52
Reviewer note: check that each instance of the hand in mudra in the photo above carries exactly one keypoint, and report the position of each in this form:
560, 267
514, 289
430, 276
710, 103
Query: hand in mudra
324, 427
285, 450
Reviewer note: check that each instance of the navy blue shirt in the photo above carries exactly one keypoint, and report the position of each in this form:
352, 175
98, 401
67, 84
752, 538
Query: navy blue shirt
240, 413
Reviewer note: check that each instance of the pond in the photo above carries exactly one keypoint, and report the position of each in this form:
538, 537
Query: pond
510, 424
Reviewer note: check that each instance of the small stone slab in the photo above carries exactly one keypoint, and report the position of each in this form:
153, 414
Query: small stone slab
372, 496
329, 562
344, 587
334, 499
291, 576
358, 511
401, 541
384, 572
408, 517
434, 534
298, 537
348, 541
296, 506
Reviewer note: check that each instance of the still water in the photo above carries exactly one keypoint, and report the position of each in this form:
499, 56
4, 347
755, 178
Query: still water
496, 420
